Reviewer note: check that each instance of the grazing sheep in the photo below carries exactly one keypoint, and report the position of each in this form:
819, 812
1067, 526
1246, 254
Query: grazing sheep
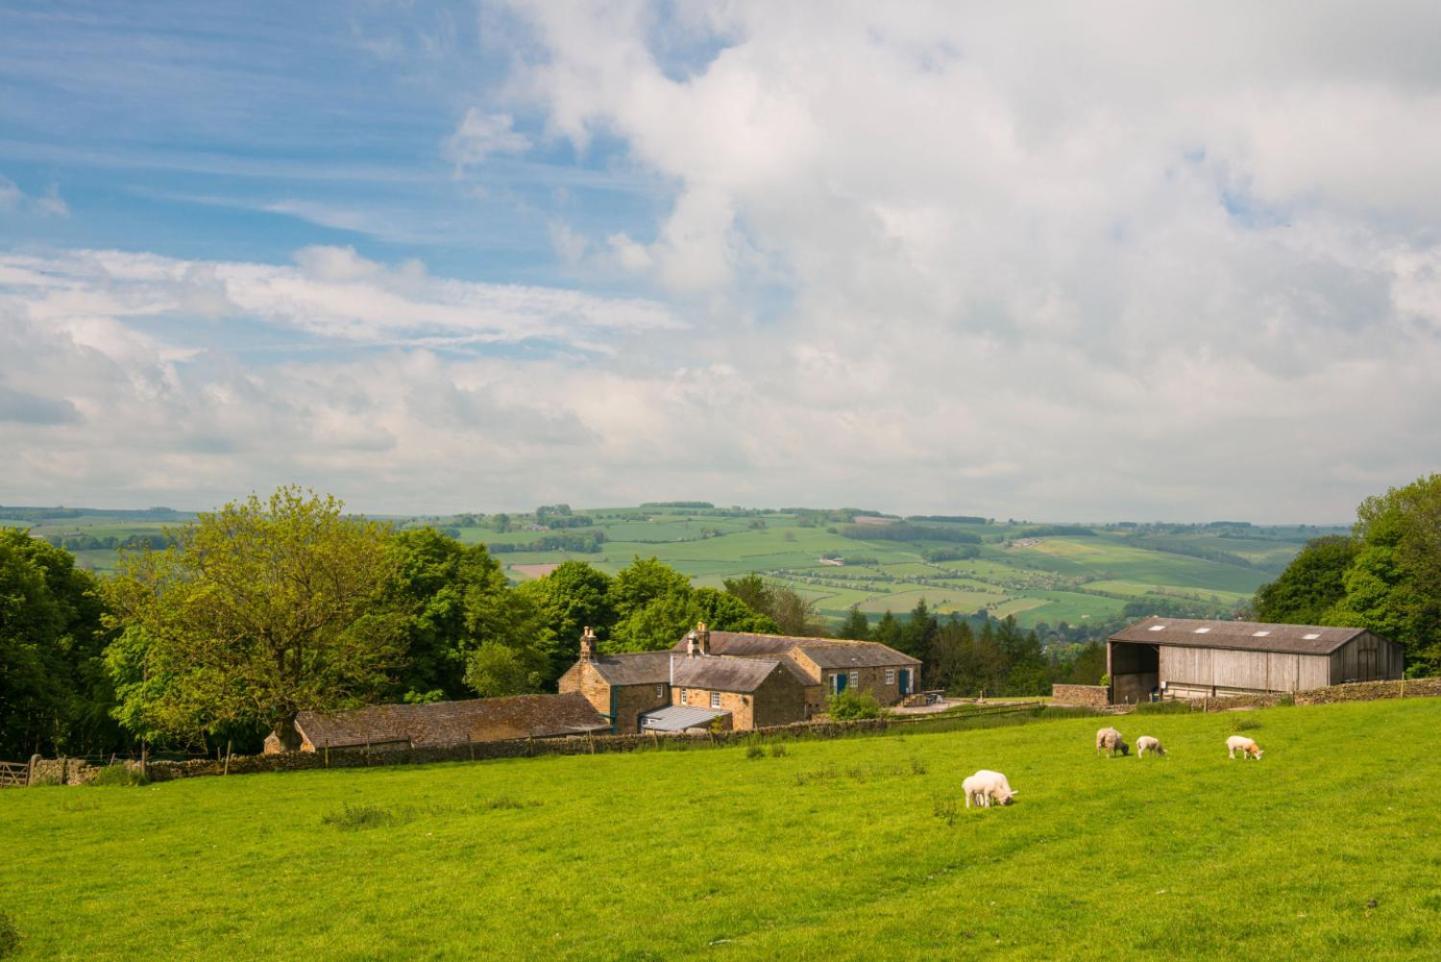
1110, 740
1148, 744
985, 787
1246, 746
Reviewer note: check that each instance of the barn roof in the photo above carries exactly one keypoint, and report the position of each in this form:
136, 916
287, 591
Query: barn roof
721, 672
677, 718
1238, 635
452, 722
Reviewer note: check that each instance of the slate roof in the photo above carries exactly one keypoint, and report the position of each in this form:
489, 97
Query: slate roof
825, 652
452, 722
1238, 635
634, 668
722, 673
677, 718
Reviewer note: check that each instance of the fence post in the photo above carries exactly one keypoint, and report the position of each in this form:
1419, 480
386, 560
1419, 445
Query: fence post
30, 772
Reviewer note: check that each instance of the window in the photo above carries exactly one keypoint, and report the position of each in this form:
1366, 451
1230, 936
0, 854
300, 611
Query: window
890, 676
660, 691
715, 699
682, 696
855, 678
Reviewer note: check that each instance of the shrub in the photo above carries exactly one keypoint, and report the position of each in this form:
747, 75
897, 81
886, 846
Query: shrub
755, 751
353, 817
1243, 724
849, 705
918, 767
9, 936
1163, 708
778, 750
119, 775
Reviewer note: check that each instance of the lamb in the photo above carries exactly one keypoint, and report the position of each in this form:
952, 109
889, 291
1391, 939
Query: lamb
985, 787
1108, 739
1146, 743
1246, 746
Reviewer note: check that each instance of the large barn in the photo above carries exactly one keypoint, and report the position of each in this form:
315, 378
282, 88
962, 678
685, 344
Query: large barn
1186, 658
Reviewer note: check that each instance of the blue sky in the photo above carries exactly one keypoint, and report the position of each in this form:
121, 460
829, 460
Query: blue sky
1035, 262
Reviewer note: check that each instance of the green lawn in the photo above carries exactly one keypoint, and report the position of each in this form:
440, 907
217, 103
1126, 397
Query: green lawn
1328, 848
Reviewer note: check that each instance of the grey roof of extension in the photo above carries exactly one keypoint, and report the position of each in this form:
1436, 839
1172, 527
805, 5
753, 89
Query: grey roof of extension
1238, 635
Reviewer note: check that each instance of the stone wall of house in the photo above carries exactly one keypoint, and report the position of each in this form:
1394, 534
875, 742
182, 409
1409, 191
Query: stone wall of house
871, 680
1371, 691
780, 700
632, 701
737, 704
1092, 696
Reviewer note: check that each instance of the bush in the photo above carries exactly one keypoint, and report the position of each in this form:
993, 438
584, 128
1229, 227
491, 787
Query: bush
778, 750
1244, 724
9, 936
850, 705
119, 775
755, 751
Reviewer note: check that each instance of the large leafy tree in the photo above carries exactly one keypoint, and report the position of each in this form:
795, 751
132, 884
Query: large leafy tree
1312, 584
568, 600
1393, 586
656, 605
260, 610
54, 695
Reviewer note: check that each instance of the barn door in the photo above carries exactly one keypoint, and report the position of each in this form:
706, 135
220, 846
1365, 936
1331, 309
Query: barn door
905, 682
840, 682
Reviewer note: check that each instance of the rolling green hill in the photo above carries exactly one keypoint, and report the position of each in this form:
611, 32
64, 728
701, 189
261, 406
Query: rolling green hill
1038, 573
842, 850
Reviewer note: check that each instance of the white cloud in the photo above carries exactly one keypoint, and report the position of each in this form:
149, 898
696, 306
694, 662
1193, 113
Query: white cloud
48, 204
481, 135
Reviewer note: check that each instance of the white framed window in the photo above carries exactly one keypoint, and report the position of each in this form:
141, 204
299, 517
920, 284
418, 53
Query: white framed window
682, 696
715, 699
890, 676
660, 691
855, 678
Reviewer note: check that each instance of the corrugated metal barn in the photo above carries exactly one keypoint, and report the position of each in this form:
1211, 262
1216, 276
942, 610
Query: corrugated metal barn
1186, 658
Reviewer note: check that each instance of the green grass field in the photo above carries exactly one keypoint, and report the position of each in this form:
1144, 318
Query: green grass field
1068, 577
843, 850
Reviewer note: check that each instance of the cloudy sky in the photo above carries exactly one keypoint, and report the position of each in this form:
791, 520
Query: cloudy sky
1075, 261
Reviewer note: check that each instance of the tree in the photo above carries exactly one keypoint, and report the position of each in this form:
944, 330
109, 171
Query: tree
1393, 586
496, 669
753, 592
917, 634
725, 612
887, 631
1312, 584
856, 627
568, 600
261, 610
795, 615
644, 581
54, 694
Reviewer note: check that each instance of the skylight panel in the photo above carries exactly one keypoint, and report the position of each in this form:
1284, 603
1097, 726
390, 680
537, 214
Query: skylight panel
1311, 637
1157, 628
1202, 631
1260, 634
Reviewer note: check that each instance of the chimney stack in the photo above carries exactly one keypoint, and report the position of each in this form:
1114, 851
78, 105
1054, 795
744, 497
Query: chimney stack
703, 636
587, 644
691, 644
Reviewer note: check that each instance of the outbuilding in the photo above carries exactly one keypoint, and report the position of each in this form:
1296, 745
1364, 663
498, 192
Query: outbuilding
1189, 658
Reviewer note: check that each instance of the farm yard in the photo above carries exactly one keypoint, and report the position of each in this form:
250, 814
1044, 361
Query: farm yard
851, 849
1078, 575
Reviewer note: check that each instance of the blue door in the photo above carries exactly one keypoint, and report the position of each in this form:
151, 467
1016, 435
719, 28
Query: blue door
840, 682
905, 681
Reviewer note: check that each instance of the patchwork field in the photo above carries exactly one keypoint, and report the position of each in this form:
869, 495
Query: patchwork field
856, 849
1038, 573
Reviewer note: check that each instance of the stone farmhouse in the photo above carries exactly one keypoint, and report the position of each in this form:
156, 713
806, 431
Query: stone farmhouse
443, 724
734, 680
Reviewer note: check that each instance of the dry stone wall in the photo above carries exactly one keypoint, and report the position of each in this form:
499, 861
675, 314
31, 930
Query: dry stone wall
1371, 691
1092, 696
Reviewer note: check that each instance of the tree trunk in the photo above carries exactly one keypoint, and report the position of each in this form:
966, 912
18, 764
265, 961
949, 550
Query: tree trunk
286, 733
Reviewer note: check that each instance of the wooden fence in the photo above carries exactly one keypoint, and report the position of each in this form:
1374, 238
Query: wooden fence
14, 774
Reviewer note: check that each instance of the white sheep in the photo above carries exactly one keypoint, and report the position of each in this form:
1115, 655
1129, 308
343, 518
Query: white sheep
985, 787
1246, 746
1147, 743
1110, 740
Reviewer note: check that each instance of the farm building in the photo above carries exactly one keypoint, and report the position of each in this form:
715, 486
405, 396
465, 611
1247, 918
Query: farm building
1186, 658
444, 723
734, 680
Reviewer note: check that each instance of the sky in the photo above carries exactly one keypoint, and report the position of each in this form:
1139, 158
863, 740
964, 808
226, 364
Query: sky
1111, 261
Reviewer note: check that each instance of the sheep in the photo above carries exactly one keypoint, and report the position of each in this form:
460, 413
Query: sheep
1246, 746
1108, 739
1146, 743
985, 787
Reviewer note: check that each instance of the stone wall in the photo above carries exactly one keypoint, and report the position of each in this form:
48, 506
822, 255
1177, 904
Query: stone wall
66, 771
1371, 691
1092, 696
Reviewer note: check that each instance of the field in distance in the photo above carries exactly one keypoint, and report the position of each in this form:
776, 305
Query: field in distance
857, 849
1040, 573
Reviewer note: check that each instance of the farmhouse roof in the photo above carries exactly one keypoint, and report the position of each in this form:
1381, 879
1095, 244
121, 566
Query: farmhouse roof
1238, 635
452, 722
634, 668
677, 718
825, 652
722, 673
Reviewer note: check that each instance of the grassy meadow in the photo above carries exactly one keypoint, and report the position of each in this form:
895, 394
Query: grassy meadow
1074, 577
853, 849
